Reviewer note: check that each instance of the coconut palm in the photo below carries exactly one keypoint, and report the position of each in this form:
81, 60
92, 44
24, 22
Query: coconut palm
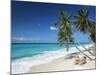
84, 24
65, 34
93, 32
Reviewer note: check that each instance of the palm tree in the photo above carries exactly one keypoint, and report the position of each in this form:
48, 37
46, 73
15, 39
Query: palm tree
65, 34
84, 24
93, 32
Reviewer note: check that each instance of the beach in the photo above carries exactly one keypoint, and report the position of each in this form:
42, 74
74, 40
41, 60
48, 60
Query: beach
52, 60
63, 64
45, 42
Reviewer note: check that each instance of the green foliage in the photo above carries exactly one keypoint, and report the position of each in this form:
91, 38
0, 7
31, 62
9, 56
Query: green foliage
65, 29
93, 33
84, 24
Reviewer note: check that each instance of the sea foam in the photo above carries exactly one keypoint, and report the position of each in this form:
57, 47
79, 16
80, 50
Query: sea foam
23, 65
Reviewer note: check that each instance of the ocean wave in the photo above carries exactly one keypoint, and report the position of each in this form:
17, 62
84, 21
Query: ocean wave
23, 65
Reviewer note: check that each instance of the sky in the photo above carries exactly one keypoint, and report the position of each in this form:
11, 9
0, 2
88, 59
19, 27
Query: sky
32, 21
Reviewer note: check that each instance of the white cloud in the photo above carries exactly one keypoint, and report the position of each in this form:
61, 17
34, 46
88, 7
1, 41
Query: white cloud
18, 38
53, 28
25, 38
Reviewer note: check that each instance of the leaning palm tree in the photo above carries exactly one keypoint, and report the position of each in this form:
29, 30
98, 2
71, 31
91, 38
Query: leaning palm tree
93, 32
65, 34
84, 24
93, 37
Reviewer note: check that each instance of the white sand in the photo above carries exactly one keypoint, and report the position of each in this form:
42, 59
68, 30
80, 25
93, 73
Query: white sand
63, 63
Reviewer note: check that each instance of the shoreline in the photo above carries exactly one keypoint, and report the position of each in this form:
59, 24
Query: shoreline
62, 64
53, 62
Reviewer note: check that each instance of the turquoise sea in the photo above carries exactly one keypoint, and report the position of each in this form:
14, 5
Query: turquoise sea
27, 50
26, 55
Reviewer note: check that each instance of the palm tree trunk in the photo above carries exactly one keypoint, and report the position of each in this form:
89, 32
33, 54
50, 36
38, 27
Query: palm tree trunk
84, 53
86, 49
67, 46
